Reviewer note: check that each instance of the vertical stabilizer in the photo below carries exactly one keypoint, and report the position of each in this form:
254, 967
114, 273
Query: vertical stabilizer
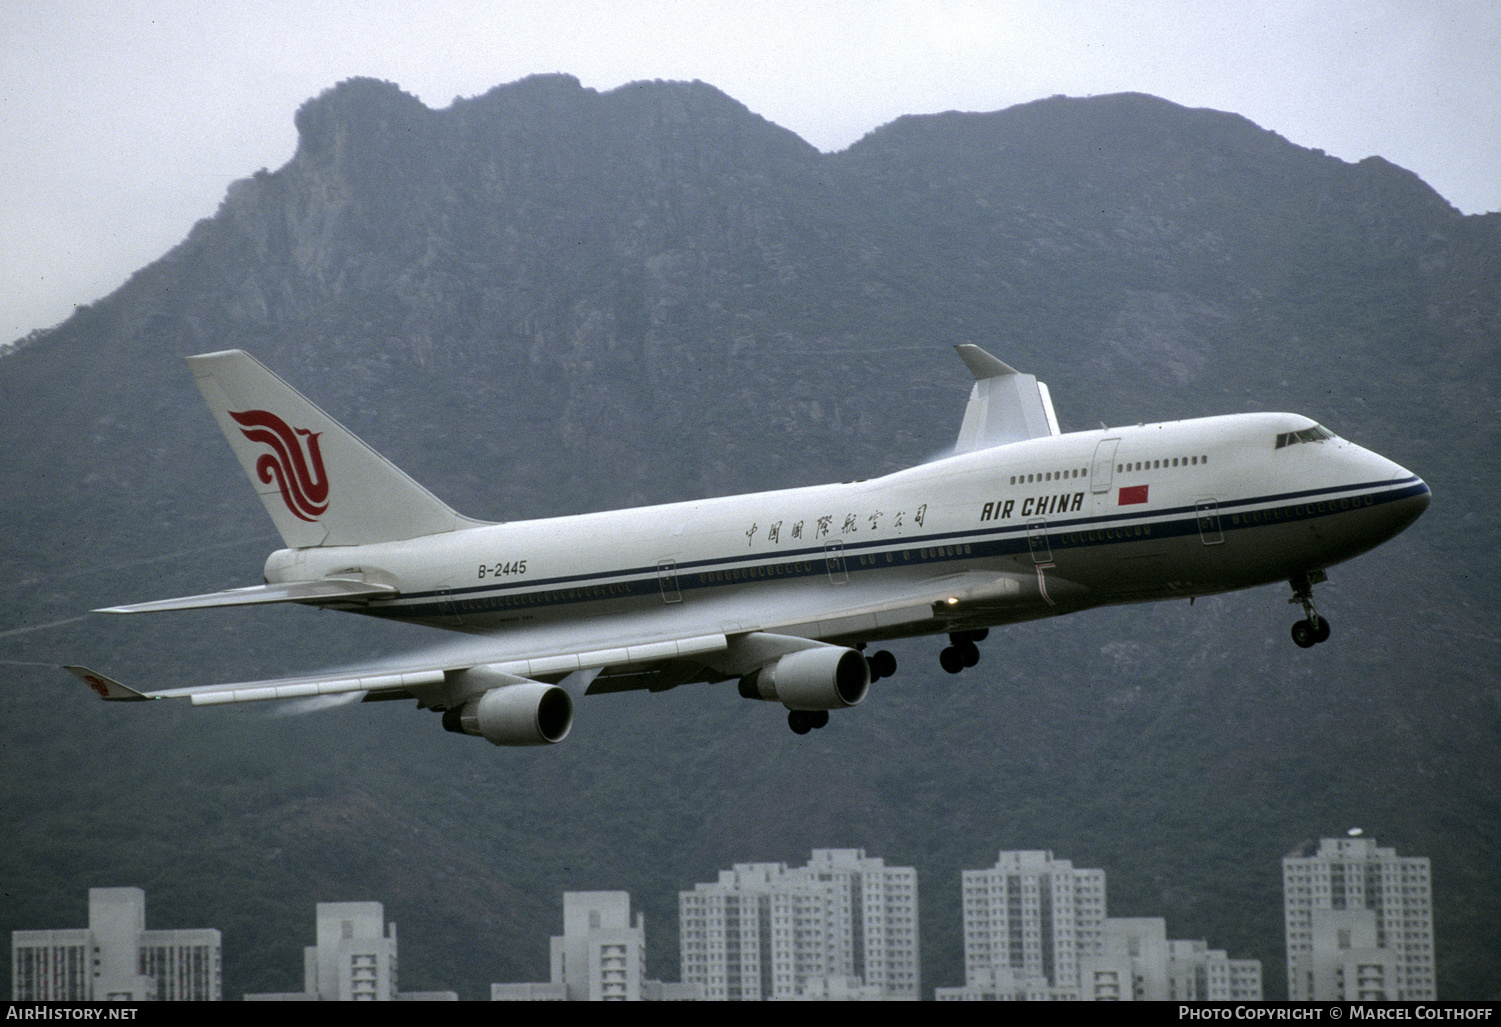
1004, 405
321, 485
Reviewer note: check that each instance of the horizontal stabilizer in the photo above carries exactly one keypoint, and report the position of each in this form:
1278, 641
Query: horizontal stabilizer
1004, 405
324, 590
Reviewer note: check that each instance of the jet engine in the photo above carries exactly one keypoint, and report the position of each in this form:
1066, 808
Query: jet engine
527, 713
825, 677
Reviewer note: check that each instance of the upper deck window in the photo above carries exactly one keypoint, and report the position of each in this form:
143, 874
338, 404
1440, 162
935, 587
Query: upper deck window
1318, 433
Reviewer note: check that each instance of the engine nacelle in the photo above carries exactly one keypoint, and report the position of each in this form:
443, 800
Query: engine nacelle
527, 713
825, 677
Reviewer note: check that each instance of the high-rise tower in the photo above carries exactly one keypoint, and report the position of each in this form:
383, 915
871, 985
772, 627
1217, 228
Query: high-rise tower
1359, 923
845, 924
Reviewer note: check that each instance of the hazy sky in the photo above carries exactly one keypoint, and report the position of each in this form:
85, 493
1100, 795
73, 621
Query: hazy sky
123, 122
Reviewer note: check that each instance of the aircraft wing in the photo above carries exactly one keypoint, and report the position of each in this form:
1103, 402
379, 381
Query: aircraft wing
927, 600
287, 688
757, 631
413, 675
724, 639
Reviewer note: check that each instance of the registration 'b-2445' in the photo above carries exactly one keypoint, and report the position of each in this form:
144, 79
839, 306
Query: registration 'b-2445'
785, 593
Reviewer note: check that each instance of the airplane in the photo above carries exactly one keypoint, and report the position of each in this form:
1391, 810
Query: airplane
781, 592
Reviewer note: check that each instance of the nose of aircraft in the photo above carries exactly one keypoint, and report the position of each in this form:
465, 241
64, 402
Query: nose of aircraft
1390, 510
1408, 500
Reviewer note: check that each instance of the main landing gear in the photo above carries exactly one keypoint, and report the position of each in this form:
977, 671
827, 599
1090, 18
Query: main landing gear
803, 721
1313, 629
961, 651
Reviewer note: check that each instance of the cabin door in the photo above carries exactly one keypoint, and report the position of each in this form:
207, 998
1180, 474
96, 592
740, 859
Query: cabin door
1037, 541
1209, 522
833, 554
447, 606
667, 577
1102, 470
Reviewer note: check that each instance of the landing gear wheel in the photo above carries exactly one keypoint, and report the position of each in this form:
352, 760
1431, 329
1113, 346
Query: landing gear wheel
1312, 629
819, 718
882, 664
801, 721
961, 651
969, 652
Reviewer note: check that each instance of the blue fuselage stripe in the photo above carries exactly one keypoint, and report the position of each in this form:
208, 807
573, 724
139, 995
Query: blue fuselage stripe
815, 561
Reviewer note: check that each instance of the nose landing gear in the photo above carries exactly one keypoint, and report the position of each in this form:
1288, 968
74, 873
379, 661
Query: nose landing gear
1313, 629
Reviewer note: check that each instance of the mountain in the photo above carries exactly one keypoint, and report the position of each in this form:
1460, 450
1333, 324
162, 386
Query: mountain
548, 299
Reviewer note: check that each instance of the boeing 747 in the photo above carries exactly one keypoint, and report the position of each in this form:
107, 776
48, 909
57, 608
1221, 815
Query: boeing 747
782, 592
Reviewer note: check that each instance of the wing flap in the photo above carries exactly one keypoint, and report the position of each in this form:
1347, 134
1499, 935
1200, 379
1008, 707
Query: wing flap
324, 590
321, 686
631, 655
857, 623
920, 602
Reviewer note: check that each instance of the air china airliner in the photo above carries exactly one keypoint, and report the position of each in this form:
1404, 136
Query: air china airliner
783, 592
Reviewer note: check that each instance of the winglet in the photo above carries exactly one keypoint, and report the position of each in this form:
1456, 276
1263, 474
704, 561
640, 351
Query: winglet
106, 688
1004, 405
981, 364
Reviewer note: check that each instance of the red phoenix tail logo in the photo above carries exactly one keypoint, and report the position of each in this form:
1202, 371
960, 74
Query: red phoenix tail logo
299, 474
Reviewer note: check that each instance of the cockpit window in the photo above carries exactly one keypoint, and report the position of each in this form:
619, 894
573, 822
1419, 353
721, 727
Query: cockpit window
1318, 433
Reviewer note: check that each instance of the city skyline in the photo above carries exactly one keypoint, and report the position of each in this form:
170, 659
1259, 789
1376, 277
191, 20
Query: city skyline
841, 927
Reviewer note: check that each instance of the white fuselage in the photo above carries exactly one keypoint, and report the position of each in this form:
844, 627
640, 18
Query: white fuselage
1053, 524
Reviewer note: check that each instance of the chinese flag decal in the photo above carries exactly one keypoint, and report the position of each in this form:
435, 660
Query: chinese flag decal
1134, 494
